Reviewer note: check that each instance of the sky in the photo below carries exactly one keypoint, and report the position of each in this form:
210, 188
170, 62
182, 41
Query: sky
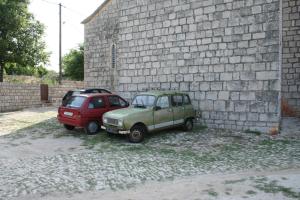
73, 13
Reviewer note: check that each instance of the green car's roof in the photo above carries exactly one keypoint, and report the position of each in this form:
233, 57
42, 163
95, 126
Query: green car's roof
159, 93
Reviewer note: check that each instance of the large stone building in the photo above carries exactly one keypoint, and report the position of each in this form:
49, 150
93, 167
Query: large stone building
236, 58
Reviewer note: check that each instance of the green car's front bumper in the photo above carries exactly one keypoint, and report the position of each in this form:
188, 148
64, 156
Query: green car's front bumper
115, 130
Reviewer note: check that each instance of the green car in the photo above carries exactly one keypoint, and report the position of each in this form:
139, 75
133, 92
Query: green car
151, 111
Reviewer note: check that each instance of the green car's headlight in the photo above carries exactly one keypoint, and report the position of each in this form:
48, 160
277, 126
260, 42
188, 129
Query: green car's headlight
120, 122
104, 120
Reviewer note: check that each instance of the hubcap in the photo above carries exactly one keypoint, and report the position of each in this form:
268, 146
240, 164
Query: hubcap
93, 127
189, 125
136, 134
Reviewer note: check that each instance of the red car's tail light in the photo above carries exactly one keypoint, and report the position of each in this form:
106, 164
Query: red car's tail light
77, 116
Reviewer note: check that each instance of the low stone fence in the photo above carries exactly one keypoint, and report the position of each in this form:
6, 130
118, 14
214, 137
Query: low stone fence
57, 92
15, 96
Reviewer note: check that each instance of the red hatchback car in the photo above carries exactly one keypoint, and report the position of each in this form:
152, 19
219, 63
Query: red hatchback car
86, 110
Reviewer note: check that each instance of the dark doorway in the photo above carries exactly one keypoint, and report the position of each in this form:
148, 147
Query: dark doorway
44, 92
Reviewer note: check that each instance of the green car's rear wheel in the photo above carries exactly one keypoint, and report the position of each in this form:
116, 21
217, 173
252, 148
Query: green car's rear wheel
137, 134
188, 125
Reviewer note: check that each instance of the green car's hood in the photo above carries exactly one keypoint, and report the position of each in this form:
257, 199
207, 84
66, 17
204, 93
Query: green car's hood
122, 113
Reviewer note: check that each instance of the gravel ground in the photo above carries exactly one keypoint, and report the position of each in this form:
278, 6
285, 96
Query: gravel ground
39, 159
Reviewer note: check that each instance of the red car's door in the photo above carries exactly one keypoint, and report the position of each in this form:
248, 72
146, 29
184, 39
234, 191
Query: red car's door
96, 107
115, 102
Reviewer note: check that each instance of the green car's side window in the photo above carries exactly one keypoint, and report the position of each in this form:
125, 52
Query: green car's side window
163, 102
187, 100
177, 100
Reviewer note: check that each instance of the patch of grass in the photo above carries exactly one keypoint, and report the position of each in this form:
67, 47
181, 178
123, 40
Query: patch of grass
167, 151
91, 183
274, 187
251, 192
259, 180
15, 136
211, 192
234, 181
36, 137
162, 135
274, 142
14, 144
253, 132
231, 147
93, 140
199, 127
189, 153
36, 131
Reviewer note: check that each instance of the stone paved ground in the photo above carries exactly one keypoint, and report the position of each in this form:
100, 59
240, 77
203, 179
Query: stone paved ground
38, 158
290, 126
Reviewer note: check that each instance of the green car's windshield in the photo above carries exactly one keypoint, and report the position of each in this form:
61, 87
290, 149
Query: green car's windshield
143, 101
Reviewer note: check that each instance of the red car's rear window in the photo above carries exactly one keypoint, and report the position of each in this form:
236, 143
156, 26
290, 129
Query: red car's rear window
75, 101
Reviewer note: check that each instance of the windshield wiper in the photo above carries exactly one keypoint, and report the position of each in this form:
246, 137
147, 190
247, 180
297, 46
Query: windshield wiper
139, 106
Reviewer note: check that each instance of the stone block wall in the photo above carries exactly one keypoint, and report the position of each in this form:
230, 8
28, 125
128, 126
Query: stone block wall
58, 91
100, 34
224, 53
291, 54
18, 96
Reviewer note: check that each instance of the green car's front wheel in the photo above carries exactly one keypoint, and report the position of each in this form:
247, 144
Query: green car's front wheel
137, 134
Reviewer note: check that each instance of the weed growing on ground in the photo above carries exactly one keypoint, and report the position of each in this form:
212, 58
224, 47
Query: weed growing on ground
251, 192
258, 133
211, 192
234, 181
273, 187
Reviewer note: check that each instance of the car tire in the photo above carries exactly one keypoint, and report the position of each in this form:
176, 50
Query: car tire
137, 134
188, 125
92, 128
69, 127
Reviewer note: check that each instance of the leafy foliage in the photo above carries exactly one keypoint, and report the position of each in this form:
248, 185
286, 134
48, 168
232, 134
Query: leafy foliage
51, 78
15, 69
73, 64
21, 36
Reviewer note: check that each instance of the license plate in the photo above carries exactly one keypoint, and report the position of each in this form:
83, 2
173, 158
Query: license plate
112, 130
70, 114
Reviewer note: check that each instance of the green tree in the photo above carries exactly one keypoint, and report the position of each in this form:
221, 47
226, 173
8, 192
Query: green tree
21, 36
14, 69
73, 64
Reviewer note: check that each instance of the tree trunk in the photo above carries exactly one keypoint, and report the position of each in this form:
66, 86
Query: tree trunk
1, 72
